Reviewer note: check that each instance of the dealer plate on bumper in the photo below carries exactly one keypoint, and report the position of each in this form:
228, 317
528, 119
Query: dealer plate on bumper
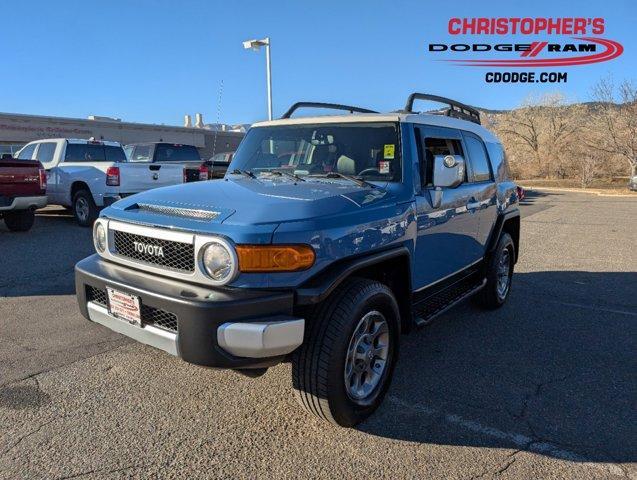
124, 306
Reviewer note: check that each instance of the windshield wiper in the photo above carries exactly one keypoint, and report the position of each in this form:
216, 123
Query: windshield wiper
358, 181
247, 173
287, 174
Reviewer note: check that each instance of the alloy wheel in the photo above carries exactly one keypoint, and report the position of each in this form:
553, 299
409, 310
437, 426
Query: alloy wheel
504, 274
367, 356
82, 209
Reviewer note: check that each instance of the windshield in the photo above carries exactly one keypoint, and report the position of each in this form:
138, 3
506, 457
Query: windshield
370, 151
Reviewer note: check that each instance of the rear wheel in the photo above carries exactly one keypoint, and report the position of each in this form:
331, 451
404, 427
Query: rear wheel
20, 220
499, 274
343, 369
84, 208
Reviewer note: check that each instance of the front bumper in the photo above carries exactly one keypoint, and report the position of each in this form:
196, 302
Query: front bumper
26, 203
222, 328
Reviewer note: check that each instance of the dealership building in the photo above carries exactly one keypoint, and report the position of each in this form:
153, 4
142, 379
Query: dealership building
18, 129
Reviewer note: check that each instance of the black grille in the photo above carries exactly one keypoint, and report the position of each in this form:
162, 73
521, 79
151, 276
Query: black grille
150, 315
176, 255
159, 318
96, 295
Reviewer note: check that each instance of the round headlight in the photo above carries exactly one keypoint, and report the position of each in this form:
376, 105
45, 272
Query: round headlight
220, 261
99, 237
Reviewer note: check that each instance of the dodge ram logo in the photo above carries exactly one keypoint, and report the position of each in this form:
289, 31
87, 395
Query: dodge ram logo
154, 250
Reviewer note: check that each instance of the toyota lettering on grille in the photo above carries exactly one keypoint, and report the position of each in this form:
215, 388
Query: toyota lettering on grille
154, 250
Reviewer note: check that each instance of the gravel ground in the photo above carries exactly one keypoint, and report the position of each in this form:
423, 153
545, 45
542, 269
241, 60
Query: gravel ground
545, 387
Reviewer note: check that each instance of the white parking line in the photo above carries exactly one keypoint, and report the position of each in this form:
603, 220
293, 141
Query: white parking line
517, 439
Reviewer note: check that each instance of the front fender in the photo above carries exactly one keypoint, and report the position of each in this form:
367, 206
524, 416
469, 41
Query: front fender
319, 287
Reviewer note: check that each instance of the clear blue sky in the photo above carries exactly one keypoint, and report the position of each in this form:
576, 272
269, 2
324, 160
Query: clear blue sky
155, 60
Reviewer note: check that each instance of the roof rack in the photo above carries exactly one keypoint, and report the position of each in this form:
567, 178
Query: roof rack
456, 109
333, 106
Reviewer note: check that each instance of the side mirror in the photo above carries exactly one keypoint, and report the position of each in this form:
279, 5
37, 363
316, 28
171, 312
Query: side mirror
448, 171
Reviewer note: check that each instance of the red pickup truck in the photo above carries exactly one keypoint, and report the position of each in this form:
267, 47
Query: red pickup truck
22, 191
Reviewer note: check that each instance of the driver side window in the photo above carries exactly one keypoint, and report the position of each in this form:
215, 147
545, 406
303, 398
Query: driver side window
431, 145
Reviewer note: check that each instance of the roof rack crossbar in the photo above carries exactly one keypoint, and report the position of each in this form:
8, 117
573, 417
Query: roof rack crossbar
333, 106
456, 109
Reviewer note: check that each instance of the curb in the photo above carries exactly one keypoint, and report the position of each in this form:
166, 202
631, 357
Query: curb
599, 193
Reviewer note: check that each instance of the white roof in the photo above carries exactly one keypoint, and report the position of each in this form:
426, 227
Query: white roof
419, 118
82, 141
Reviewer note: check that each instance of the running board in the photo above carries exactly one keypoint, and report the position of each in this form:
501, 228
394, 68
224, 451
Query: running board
429, 308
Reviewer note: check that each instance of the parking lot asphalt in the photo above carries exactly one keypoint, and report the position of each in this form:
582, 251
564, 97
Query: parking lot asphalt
545, 387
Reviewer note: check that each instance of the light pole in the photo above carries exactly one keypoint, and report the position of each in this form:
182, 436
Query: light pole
256, 45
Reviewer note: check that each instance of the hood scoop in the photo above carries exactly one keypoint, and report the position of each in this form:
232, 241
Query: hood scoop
177, 210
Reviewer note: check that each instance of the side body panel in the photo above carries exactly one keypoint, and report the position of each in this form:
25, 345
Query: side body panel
92, 174
483, 201
448, 235
54, 190
506, 192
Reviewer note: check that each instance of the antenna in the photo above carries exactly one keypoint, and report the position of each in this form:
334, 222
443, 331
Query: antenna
214, 141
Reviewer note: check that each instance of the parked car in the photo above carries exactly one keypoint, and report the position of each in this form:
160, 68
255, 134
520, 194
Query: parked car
170, 153
86, 175
216, 166
632, 183
328, 238
22, 191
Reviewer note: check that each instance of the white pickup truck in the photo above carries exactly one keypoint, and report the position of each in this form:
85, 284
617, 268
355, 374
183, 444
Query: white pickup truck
86, 175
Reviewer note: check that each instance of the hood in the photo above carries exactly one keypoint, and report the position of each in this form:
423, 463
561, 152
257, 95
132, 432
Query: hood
255, 201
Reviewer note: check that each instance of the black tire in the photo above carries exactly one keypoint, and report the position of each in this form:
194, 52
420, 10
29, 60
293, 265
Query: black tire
20, 220
491, 296
84, 209
318, 366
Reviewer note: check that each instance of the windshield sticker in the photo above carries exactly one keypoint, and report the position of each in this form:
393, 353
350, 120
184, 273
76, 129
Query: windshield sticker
383, 167
388, 151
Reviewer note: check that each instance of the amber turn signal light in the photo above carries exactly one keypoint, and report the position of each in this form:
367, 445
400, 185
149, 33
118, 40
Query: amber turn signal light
274, 258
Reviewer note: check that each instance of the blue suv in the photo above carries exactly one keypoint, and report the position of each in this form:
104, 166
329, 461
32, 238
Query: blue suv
327, 239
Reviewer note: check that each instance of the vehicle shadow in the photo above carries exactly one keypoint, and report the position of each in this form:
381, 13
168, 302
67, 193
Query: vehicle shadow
552, 372
532, 196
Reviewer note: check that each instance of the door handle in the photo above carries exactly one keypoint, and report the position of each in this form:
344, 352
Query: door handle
473, 204
154, 167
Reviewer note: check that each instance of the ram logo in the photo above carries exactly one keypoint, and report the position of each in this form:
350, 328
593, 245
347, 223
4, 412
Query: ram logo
154, 250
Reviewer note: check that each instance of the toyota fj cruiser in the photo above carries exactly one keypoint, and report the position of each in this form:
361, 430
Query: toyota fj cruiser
328, 238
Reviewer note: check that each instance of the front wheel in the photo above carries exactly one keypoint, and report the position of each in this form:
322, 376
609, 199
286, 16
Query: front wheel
19, 221
343, 369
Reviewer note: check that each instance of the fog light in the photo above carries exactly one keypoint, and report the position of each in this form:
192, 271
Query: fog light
99, 237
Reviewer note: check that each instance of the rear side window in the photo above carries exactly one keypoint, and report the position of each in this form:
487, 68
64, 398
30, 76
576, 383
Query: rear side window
176, 153
498, 160
141, 153
481, 171
222, 157
45, 152
27, 152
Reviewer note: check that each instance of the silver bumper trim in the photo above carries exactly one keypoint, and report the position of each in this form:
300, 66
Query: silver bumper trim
24, 203
261, 339
153, 336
